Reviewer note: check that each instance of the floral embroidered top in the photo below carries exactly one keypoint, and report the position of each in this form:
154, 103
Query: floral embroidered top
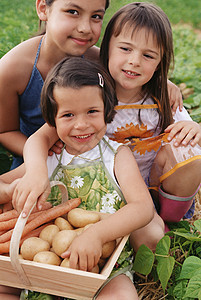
144, 137
89, 176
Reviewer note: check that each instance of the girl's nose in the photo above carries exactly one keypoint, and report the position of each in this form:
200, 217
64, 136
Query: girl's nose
84, 26
134, 59
81, 123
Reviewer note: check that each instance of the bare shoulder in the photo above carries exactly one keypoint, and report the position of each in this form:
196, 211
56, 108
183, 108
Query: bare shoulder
93, 53
124, 153
17, 64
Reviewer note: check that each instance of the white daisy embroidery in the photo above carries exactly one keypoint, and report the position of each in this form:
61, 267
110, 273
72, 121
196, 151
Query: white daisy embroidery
77, 182
108, 202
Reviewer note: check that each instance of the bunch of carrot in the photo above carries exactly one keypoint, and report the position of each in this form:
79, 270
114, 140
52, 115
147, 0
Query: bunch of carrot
35, 223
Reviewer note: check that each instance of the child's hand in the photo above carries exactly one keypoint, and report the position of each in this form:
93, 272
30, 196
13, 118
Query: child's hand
84, 252
56, 148
186, 132
28, 191
175, 97
7, 191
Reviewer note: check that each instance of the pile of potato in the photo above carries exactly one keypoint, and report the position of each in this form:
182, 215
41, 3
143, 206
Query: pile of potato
56, 239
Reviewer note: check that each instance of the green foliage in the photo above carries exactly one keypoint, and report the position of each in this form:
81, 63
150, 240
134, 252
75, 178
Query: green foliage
180, 278
18, 22
187, 68
5, 160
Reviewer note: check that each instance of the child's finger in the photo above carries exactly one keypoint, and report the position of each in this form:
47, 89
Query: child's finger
83, 262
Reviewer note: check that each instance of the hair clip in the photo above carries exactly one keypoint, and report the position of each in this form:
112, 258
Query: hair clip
101, 80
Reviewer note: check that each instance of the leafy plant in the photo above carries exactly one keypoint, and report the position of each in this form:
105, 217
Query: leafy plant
176, 262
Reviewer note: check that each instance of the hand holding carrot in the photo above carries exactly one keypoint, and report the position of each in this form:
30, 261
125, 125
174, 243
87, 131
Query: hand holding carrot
27, 192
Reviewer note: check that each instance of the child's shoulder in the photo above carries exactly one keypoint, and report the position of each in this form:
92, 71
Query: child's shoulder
16, 65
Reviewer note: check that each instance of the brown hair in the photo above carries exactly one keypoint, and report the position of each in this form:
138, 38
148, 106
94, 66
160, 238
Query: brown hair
140, 15
49, 3
76, 72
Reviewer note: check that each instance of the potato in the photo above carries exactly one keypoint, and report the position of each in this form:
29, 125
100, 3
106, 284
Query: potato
65, 263
63, 224
48, 233
47, 257
108, 248
79, 230
79, 217
33, 245
95, 269
62, 241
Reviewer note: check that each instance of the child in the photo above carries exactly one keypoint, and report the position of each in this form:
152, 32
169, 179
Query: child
137, 49
72, 28
78, 99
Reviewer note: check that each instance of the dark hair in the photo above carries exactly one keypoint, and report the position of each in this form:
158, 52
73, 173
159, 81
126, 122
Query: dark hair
140, 15
42, 26
76, 72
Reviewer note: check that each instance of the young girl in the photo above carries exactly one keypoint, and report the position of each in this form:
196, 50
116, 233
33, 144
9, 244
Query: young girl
137, 49
72, 28
78, 99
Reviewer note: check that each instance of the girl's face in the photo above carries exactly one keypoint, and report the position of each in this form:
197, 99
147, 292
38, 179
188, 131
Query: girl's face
133, 59
73, 26
80, 117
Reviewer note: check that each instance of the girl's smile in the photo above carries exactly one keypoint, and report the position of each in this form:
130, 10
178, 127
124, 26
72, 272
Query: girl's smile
80, 117
74, 26
133, 59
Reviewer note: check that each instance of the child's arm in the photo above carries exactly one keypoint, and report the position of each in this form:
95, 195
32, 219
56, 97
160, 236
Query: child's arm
86, 249
175, 97
35, 183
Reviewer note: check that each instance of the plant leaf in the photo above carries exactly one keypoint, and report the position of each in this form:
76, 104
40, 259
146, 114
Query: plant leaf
194, 287
164, 269
163, 247
144, 260
197, 225
189, 236
191, 266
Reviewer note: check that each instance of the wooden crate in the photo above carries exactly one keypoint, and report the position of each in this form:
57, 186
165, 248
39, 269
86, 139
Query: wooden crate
51, 279
58, 280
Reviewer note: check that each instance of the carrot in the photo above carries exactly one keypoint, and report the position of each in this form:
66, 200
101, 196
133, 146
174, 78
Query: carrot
45, 217
4, 247
51, 214
9, 224
2, 231
10, 214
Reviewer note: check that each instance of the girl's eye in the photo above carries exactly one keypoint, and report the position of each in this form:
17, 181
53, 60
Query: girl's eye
148, 56
72, 12
125, 49
69, 115
92, 111
97, 17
